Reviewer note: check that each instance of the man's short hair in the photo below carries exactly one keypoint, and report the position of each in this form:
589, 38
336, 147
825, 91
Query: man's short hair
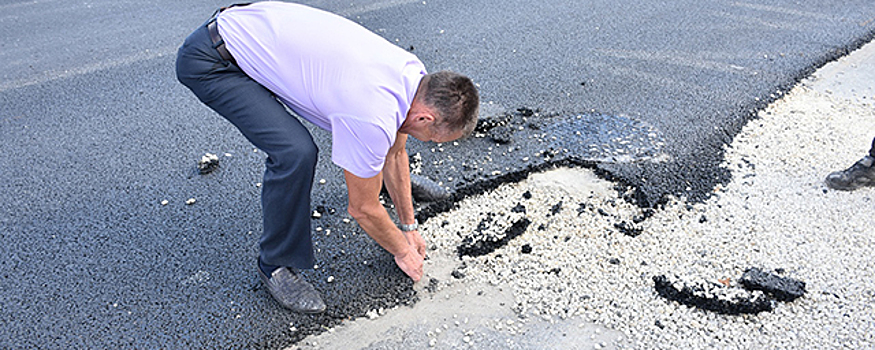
455, 99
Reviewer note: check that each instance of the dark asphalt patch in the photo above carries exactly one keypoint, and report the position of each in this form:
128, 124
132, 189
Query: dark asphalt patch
530, 143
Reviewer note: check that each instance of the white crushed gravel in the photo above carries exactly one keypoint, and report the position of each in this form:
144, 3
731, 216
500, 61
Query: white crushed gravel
776, 213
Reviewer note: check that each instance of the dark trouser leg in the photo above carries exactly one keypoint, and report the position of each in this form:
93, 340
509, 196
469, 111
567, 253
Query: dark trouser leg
263, 120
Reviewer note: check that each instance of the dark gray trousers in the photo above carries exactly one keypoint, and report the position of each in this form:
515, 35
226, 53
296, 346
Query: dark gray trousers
264, 121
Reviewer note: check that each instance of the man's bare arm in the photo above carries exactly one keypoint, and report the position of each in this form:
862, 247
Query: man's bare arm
365, 207
397, 179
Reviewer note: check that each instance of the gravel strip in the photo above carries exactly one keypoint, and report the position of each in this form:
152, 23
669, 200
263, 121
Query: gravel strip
575, 261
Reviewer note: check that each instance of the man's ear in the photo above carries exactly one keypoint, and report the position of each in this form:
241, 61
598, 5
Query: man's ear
426, 117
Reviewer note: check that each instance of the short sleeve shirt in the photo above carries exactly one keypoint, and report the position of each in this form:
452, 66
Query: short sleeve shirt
329, 70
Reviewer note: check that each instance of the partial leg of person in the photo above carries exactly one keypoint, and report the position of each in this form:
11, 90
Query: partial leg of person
286, 243
861, 174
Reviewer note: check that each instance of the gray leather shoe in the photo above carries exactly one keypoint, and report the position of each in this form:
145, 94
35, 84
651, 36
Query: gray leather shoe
292, 291
426, 190
861, 174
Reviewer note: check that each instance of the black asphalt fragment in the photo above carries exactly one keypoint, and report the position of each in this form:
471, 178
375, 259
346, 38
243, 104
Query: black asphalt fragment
782, 288
207, 164
477, 244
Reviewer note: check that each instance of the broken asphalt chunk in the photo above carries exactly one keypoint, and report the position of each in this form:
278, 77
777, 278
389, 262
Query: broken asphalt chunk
482, 245
628, 229
207, 164
782, 288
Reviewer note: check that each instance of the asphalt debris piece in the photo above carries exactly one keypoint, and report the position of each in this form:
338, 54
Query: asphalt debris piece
475, 246
645, 214
432, 285
519, 208
556, 209
782, 288
207, 163
712, 297
486, 223
525, 111
501, 135
323, 210
628, 229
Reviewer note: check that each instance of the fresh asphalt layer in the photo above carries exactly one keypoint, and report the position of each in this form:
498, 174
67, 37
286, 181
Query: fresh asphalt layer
97, 133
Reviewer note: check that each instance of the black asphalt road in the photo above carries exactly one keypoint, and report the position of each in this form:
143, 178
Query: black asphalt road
96, 133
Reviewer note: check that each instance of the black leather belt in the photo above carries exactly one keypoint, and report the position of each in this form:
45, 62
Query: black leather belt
218, 43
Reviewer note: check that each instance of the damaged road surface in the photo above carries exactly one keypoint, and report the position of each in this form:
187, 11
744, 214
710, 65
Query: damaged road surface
100, 143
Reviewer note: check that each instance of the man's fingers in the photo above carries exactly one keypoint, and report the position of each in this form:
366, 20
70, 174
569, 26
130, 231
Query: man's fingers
411, 264
416, 276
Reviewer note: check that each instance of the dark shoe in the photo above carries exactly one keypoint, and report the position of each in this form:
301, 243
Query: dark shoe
292, 291
425, 190
861, 174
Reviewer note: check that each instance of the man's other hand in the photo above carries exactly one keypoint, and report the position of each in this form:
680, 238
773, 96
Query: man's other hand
415, 240
411, 263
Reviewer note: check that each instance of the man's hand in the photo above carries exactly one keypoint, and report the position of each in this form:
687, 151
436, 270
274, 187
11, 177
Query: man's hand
416, 241
411, 263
